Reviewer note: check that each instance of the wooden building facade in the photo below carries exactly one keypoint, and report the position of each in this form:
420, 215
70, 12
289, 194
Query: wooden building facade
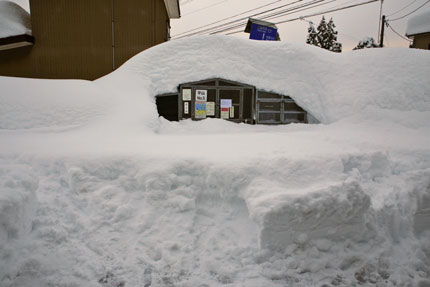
84, 39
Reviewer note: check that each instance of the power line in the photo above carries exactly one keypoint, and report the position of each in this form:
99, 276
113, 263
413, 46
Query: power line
318, 13
409, 13
204, 8
280, 14
402, 8
223, 28
329, 11
240, 14
398, 34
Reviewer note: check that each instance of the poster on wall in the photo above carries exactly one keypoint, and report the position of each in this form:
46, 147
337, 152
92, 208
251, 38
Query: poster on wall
201, 95
186, 94
200, 111
226, 103
224, 113
210, 109
186, 108
231, 112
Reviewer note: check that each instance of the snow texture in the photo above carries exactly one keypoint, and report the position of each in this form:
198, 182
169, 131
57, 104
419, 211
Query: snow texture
96, 190
419, 23
14, 20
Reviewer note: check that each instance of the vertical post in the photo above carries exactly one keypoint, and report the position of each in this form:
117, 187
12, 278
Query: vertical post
381, 43
379, 27
113, 35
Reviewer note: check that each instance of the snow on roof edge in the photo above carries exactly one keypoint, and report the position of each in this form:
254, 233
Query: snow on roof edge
14, 20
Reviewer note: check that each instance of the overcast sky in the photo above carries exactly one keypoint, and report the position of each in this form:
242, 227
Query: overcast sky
352, 24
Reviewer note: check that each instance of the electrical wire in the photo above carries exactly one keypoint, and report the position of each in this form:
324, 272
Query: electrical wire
397, 33
204, 8
317, 14
224, 27
402, 8
409, 13
240, 14
273, 16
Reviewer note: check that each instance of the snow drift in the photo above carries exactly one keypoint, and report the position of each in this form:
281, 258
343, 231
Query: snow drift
97, 191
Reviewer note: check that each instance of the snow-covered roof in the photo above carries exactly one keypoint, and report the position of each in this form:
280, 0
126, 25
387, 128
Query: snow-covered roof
419, 24
172, 7
14, 20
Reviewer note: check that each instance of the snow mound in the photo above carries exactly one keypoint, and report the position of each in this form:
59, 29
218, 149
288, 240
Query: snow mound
418, 24
14, 20
17, 202
330, 86
49, 104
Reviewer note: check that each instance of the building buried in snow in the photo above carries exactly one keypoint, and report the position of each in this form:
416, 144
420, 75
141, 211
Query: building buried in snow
233, 101
80, 39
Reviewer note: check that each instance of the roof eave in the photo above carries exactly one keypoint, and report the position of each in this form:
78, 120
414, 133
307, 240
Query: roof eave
173, 9
17, 41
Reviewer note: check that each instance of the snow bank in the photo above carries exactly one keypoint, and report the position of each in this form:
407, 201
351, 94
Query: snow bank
97, 191
17, 202
14, 20
419, 23
50, 104
328, 85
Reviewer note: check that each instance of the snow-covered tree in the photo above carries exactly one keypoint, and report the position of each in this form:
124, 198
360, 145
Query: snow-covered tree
326, 36
367, 42
312, 35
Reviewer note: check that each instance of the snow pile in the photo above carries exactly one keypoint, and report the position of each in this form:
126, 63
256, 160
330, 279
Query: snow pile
329, 86
17, 202
97, 191
14, 20
50, 105
418, 24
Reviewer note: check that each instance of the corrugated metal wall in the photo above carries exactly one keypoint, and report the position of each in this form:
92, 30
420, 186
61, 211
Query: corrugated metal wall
73, 38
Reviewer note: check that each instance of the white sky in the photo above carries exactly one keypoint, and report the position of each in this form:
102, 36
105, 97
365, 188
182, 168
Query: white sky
352, 24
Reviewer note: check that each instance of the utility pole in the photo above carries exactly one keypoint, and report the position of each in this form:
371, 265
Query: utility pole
381, 43
379, 27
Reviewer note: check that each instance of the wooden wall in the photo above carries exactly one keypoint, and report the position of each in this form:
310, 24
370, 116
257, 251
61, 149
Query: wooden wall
73, 38
422, 41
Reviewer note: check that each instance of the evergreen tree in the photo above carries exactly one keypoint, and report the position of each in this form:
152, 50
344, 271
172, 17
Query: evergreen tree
367, 42
326, 36
312, 35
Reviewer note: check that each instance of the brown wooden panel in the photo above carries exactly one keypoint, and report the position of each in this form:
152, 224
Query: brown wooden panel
73, 38
134, 20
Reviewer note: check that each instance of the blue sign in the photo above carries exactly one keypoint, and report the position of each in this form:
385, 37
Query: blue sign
259, 32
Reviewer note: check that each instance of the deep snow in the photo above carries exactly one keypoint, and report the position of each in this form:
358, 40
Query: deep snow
97, 191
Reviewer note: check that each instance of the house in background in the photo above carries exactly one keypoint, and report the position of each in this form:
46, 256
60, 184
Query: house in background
79, 39
418, 30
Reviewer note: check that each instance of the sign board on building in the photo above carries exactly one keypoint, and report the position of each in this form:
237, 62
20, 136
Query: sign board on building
259, 32
200, 111
186, 94
186, 108
224, 113
231, 112
226, 103
210, 109
201, 95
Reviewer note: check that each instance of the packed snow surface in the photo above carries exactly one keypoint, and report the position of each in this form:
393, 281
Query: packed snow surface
96, 190
419, 23
14, 20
